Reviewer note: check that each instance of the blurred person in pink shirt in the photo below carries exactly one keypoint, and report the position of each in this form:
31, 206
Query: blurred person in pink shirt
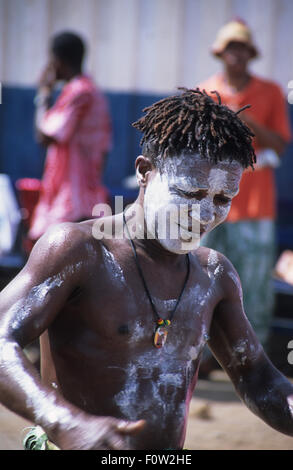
77, 133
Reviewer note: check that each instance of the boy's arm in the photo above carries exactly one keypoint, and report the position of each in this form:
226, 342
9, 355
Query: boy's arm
42, 101
28, 305
265, 391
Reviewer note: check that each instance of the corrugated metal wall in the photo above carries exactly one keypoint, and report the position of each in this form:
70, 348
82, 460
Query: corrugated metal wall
145, 45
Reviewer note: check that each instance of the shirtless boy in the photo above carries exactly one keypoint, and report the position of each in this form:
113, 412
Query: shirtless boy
122, 323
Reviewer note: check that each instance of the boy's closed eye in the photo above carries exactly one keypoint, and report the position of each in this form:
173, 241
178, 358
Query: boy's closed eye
200, 194
220, 199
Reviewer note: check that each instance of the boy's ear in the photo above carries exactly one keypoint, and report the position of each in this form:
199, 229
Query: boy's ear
143, 167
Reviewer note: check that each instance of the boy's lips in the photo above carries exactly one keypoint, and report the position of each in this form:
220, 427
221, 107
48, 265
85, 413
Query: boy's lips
190, 228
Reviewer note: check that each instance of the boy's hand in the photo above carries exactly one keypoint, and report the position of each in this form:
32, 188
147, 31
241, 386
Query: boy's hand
47, 78
87, 432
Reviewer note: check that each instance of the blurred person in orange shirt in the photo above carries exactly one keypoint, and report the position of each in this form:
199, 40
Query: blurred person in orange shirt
77, 133
248, 235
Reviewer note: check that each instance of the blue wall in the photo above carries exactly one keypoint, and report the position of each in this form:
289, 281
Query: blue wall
20, 156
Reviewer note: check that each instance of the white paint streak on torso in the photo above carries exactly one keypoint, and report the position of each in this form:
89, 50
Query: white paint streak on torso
156, 371
113, 268
140, 375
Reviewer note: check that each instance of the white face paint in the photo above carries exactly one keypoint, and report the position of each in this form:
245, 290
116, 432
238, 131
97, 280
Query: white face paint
191, 196
166, 215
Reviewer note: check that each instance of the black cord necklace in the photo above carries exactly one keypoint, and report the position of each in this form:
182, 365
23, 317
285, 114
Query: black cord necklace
161, 324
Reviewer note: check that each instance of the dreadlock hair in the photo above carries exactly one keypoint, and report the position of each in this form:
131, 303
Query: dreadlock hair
192, 122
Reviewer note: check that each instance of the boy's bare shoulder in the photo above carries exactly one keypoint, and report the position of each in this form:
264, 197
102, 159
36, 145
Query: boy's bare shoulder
65, 243
219, 267
67, 235
208, 257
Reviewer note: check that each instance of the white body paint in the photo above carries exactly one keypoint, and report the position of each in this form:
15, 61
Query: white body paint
155, 372
35, 299
113, 268
165, 305
243, 349
140, 376
163, 213
37, 401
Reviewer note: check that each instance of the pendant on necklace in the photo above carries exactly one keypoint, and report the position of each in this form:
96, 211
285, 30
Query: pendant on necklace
161, 333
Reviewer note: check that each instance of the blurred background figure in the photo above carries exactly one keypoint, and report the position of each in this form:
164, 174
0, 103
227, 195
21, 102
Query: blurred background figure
77, 133
248, 236
10, 216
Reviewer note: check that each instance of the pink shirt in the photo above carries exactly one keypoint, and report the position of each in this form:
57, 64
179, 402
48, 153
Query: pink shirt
71, 185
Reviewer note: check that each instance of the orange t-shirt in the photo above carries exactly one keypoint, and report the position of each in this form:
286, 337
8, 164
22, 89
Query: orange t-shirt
257, 195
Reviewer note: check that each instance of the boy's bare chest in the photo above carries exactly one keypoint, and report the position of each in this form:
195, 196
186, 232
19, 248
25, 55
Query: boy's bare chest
118, 308
116, 313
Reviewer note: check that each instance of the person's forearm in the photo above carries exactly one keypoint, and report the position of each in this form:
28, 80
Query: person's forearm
268, 139
41, 101
22, 391
269, 395
67, 426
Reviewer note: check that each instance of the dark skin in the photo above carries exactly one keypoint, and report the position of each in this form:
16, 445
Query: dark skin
104, 385
236, 58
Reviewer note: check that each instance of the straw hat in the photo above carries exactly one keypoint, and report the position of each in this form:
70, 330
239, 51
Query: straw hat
238, 31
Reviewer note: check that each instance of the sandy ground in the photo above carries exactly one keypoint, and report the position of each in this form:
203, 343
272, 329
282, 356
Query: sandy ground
217, 421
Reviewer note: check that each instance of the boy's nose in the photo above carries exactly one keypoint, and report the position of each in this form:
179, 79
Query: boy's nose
194, 211
207, 214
